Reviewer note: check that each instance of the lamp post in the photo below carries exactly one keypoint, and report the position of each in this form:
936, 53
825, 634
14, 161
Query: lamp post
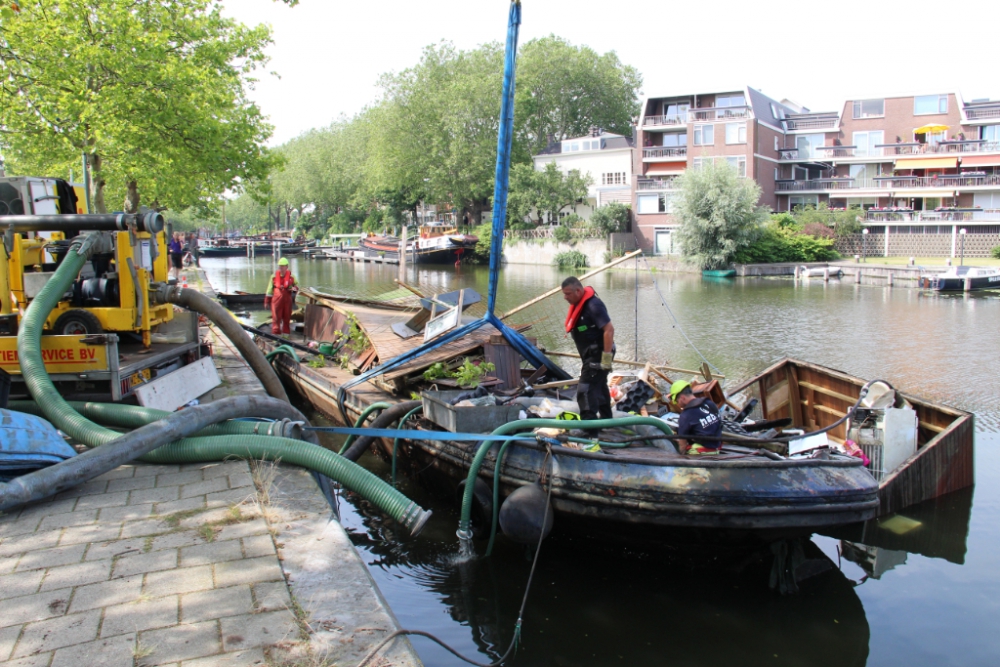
864, 244
962, 260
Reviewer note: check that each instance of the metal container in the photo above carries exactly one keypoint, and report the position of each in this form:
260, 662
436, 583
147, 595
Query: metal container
473, 419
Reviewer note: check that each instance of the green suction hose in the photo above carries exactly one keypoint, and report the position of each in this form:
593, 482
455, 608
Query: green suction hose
380, 405
324, 461
395, 442
526, 424
283, 349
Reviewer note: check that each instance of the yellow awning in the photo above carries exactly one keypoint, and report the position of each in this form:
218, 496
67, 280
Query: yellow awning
927, 163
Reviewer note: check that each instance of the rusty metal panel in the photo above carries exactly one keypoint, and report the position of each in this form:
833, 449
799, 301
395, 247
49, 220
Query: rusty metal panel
324, 324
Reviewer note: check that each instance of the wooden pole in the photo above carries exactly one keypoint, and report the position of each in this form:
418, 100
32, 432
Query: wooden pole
637, 364
554, 290
402, 254
412, 289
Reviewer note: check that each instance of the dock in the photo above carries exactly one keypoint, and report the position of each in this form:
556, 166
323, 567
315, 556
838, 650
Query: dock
352, 257
194, 565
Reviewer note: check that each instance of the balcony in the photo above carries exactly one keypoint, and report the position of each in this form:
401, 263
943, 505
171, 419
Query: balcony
959, 147
816, 184
836, 151
665, 121
940, 215
988, 113
665, 153
656, 184
718, 113
788, 153
891, 183
829, 123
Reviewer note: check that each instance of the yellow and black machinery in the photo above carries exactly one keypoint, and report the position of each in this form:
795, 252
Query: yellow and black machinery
107, 335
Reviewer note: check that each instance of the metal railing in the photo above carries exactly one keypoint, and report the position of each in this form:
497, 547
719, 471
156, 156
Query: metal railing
665, 151
718, 113
981, 215
946, 182
815, 184
982, 114
673, 119
656, 184
893, 150
810, 123
836, 151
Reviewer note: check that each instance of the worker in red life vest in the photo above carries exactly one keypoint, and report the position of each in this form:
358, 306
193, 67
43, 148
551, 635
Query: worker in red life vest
590, 326
280, 298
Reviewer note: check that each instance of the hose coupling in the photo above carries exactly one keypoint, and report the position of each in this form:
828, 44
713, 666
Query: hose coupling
415, 518
464, 534
160, 293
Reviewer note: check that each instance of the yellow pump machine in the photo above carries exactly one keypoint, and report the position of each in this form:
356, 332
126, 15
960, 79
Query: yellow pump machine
106, 337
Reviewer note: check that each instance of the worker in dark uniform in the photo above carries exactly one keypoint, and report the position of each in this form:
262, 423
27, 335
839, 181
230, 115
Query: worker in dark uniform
590, 326
699, 417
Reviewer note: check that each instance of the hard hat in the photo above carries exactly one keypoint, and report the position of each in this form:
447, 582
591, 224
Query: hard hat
283, 261
677, 387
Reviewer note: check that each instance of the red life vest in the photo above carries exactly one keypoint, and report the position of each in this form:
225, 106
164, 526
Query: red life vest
283, 283
575, 311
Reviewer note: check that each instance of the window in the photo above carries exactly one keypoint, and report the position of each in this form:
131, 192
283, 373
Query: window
930, 104
730, 100
736, 133
777, 174
869, 108
575, 146
649, 204
803, 200
613, 178
704, 135
667, 202
777, 146
865, 143
677, 110
738, 162
675, 139
864, 175
990, 133
807, 145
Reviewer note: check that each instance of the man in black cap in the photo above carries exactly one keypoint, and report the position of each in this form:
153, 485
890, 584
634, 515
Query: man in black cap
590, 326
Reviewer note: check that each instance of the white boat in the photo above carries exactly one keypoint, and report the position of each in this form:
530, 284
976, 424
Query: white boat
955, 279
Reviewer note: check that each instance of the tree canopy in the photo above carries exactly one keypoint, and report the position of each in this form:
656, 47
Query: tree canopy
154, 92
545, 193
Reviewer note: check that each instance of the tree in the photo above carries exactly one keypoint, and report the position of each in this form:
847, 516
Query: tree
611, 218
154, 92
545, 193
719, 214
563, 90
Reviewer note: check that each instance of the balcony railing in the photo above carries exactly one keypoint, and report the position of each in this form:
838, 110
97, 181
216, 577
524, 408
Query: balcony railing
959, 215
788, 153
718, 113
810, 123
895, 150
656, 184
675, 119
836, 151
815, 184
947, 182
983, 114
665, 152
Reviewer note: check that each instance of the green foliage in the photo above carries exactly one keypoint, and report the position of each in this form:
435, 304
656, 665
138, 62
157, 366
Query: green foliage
571, 259
995, 253
436, 372
786, 244
544, 193
611, 218
562, 234
841, 222
572, 220
318, 362
154, 92
719, 214
481, 253
469, 374
357, 341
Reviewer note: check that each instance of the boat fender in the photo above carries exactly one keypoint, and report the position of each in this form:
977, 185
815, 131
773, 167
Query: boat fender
526, 516
482, 506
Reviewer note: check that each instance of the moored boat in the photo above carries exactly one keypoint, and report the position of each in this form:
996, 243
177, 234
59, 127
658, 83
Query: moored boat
964, 278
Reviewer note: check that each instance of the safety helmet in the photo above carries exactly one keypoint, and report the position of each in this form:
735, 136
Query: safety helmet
677, 387
283, 261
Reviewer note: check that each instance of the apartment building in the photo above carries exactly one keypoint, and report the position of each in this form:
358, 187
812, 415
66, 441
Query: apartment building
925, 164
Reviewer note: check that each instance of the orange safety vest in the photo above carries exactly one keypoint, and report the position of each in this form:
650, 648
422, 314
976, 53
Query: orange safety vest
575, 311
283, 283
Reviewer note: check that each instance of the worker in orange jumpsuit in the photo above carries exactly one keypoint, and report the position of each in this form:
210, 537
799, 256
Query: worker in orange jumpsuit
280, 298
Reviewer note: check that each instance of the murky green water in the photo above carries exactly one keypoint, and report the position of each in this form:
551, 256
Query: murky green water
936, 598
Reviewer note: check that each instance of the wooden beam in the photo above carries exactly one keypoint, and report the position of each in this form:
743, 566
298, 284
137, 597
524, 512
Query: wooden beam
557, 385
408, 287
795, 396
626, 362
828, 392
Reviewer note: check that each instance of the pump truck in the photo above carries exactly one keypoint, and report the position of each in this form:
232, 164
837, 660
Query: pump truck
108, 336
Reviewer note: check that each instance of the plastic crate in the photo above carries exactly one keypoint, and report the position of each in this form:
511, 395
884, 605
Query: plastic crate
473, 419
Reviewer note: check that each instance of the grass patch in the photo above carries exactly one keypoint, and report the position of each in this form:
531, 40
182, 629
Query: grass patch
147, 544
208, 529
142, 651
174, 520
207, 532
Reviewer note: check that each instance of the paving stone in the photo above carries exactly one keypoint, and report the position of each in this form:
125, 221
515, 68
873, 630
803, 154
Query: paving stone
118, 473
239, 479
251, 658
37, 607
138, 616
131, 484
152, 470
8, 563
14, 528
258, 545
54, 521
58, 632
183, 580
40, 660
243, 529
271, 596
250, 630
206, 605
181, 642
93, 487
144, 527
21, 583
109, 515
141, 563
20, 544
229, 497
115, 548
225, 469
180, 539
106, 593
178, 478
47, 508
93, 532
41, 558
203, 487
211, 552
247, 571
8, 637
157, 495
111, 652
102, 500
185, 505
78, 574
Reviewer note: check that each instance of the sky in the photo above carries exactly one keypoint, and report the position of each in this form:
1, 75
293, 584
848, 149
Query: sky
329, 54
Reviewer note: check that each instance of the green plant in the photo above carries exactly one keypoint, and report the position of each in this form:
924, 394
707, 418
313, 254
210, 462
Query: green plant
996, 252
357, 340
786, 244
611, 218
562, 234
435, 372
571, 220
318, 362
571, 259
469, 374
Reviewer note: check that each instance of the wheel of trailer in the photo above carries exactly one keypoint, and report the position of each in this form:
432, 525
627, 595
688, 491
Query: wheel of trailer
77, 323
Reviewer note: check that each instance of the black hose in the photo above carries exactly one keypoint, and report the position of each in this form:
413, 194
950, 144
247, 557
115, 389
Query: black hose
61, 476
387, 417
199, 303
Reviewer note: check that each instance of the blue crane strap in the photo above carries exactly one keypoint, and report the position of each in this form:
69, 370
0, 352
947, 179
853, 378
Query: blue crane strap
416, 434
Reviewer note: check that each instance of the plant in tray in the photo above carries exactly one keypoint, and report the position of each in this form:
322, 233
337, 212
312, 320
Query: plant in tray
436, 372
318, 362
469, 374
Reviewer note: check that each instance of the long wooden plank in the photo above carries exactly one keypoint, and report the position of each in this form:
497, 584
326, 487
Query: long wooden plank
795, 396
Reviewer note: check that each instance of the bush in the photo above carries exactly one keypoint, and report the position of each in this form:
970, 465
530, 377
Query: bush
996, 252
818, 230
571, 220
779, 244
562, 234
571, 259
521, 226
610, 218
481, 253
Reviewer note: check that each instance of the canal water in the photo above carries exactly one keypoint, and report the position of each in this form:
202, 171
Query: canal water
928, 594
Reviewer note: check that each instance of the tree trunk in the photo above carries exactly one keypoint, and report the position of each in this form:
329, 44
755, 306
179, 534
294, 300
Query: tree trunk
98, 182
131, 203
